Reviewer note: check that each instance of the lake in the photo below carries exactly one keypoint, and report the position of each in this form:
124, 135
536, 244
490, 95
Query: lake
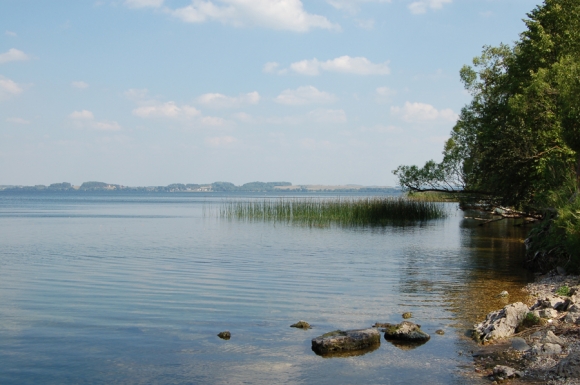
133, 289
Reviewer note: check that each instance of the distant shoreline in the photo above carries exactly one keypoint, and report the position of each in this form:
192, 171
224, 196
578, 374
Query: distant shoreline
198, 188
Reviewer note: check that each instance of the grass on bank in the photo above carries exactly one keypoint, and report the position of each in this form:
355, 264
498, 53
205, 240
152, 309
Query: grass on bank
318, 212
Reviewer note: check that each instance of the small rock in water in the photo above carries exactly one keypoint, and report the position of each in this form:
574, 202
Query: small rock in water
301, 325
407, 315
406, 331
504, 293
501, 371
226, 335
440, 332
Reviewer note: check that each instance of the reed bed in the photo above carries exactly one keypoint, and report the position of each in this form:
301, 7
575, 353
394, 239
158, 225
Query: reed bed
378, 211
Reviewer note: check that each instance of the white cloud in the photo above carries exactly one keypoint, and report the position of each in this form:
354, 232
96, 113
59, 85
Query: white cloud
82, 115
275, 14
327, 116
107, 126
9, 87
213, 121
136, 94
421, 112
85, 118
352, 6
384, 94
270, 67
13, 54
10, 33
143, 3
366, 23
166, 110
214, 100
304, 95
18, 121
343, 64
421, 6
80, 85
220, 141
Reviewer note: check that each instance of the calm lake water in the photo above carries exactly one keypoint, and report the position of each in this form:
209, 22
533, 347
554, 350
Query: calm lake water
132, 289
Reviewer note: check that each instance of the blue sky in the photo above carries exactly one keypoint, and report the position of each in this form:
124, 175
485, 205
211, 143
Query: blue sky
152, 92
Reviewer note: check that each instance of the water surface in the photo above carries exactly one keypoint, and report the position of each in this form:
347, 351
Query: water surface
110, 288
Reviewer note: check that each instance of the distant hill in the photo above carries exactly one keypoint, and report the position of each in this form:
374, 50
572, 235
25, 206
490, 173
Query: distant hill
191, 187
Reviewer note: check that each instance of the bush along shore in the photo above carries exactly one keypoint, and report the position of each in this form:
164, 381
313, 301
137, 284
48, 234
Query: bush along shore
378, 211
537, 341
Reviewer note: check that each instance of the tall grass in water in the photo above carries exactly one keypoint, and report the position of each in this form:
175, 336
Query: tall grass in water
325, 212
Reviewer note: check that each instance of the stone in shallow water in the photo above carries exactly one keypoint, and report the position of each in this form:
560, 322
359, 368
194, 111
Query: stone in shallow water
407, 315
405, 331
501, 323
346, 341
226, 335
301, 325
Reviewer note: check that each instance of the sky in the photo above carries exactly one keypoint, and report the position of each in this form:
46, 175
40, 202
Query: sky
153, 92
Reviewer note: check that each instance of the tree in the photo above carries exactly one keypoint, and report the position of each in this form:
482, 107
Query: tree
519, 137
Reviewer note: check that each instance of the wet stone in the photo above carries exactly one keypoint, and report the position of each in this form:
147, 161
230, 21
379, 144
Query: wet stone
440, 332
405, 331
301, 325
520, 344
344, 341
407, 315
225, 335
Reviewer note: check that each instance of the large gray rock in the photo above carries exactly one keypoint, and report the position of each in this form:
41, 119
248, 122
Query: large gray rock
344, 341
405, 331
569, 367
501, 323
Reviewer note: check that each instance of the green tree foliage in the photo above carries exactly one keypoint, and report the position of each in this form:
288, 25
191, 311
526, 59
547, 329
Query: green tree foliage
519, 137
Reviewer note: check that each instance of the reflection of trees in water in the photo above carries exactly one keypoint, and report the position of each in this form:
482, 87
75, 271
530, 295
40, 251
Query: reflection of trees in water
468, 279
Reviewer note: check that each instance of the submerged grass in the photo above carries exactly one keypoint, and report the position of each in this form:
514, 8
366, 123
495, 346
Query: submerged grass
315, 212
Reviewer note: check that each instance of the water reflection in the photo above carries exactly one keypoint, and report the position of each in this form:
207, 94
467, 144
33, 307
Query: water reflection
345, 354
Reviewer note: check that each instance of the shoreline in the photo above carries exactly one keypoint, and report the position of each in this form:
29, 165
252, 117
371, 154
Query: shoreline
524, 352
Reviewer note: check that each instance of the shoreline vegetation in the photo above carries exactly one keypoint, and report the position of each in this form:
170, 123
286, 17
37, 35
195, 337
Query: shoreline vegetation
281, 187
515, 148
343, 212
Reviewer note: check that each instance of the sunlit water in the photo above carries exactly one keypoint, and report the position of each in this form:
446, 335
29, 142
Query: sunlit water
132, 289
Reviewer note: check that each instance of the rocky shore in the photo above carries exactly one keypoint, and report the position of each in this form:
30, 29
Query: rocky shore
537, 342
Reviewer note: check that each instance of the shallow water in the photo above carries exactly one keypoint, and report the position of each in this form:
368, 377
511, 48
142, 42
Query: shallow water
110, 288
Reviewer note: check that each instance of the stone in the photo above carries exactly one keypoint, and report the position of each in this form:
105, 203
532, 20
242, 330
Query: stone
440, 332
407, 315
573, 315
520, 344
226, 335
504, 293
344, 341
501, 323
551, 338
405, 331
301, 325
502, 371
547, 313
569, 367
546, 349
551, 302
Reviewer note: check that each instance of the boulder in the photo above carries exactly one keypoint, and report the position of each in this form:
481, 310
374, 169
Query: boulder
344, 341
405, 331
569, 367
501, 323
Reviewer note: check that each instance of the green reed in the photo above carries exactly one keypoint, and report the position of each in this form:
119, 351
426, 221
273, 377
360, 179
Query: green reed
377, 211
